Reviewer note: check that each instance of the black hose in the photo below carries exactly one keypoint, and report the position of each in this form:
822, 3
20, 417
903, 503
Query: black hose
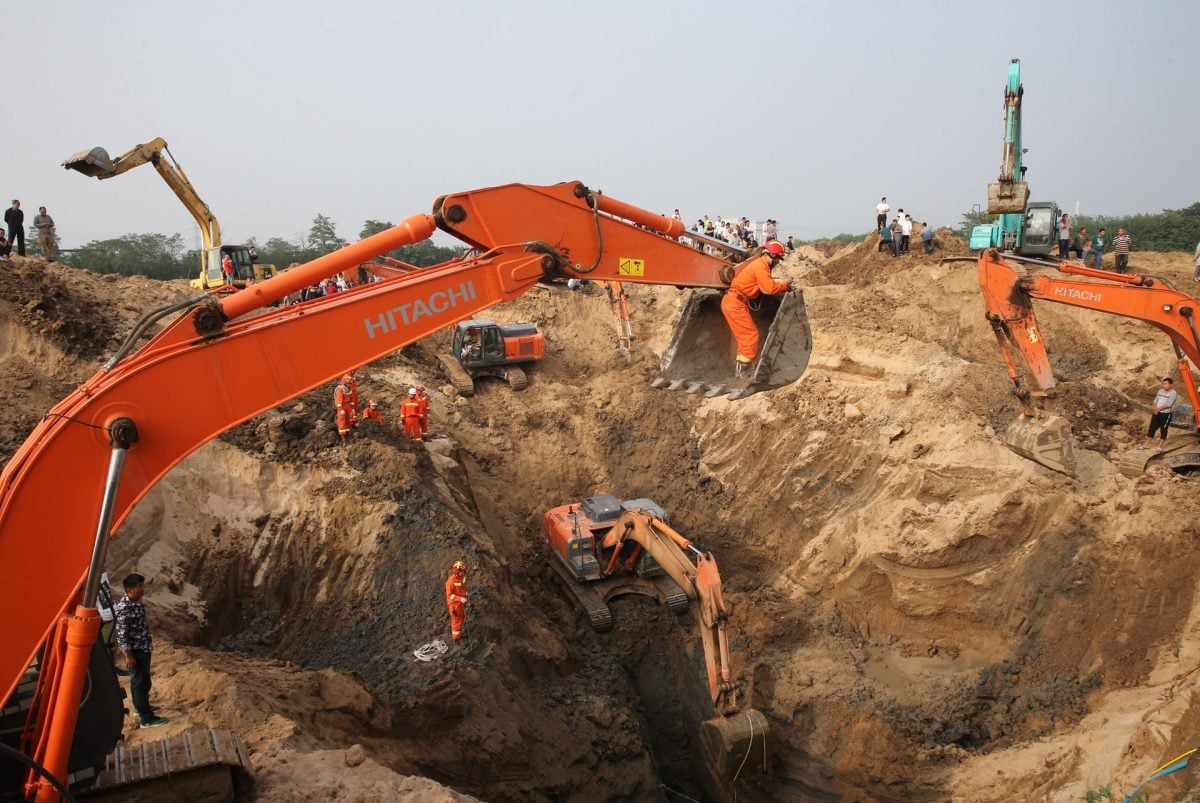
595, 204
40, 770
144, 323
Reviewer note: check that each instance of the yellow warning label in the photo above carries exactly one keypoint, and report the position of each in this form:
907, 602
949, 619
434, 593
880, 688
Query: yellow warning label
1033, 338
627, 266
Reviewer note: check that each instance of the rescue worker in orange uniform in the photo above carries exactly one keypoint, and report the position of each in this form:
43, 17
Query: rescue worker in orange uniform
751, 281
423, 400
456, 599
346, 412
352, 383
410, 413
372, 413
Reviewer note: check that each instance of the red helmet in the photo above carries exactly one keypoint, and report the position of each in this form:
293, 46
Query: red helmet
774, 248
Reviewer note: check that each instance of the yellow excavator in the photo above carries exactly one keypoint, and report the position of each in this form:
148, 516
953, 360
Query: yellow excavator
97, 164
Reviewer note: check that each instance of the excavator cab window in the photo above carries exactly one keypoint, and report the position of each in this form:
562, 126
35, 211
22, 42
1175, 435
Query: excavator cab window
1039, 225
493, 344
243, 265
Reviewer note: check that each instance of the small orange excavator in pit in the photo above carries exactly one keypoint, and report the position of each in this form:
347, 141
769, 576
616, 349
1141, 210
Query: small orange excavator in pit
481, 347
605, 548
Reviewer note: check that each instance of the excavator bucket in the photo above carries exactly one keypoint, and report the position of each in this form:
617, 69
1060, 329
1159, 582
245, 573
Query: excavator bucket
94, 163
1046, 441
701, 355
737, 746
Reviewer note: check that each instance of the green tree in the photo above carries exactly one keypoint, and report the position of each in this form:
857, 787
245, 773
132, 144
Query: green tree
159, 256
374, 227
281, 253
422, 254
976, 217
323, 236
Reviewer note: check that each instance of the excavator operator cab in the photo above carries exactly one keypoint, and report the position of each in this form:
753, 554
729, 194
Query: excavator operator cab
244, 267
478, 342
1039, 236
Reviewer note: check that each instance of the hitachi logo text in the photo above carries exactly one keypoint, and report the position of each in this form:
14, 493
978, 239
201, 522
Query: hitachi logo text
1082, 295
438, 301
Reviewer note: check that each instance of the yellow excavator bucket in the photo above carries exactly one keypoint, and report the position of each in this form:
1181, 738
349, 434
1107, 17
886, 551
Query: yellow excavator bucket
701, 355
93, 163
737, 746
1046, 441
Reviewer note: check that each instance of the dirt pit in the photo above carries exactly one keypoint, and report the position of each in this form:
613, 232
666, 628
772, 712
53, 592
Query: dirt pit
920, 613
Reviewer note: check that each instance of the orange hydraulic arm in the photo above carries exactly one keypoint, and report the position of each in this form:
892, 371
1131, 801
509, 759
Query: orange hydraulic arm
600, 237
701, 582
102, 448
197, 378
1007, 296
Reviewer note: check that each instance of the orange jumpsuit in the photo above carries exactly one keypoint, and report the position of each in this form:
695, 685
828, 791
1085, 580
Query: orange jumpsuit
423, 400
353, 391
410, 411
456, 595
372, 414
750, 282
345, 409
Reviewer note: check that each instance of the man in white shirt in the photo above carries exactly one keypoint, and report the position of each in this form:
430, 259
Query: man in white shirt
905, 232
881, 213
1164, 404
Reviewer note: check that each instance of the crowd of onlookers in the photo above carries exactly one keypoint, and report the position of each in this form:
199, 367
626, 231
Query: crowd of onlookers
896, 236
1089, 248
14, 221
739, 233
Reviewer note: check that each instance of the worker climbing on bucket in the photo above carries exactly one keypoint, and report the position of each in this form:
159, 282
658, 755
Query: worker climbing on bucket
456, 599
410, 413
751, 281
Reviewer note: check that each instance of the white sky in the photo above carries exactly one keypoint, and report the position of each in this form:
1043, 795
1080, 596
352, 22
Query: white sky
806, 112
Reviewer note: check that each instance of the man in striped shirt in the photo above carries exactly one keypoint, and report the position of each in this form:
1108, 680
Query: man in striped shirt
1121, 248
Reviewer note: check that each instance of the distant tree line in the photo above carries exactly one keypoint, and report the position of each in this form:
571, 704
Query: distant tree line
163, 256
1168, 230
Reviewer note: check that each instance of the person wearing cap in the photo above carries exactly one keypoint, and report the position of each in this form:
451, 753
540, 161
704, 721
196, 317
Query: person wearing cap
410, 413
372, 412
752, 280
423, 401
343, 402
456, 599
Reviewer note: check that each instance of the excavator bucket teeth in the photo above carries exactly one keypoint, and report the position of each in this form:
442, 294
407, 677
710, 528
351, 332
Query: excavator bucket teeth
91, 163
1045, 441
700, 356
737, 746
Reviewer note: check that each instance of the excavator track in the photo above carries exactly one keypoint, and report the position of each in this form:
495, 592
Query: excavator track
516, 376
586, 599
1181, 455
671, 595
459, 378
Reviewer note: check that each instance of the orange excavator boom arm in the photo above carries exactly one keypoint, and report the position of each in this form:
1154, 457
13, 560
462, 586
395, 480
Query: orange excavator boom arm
1007, 298
700, 581
102, 448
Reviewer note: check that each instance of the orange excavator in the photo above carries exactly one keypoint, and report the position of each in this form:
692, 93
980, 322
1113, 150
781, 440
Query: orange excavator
604, 548
1007, 297
214, 365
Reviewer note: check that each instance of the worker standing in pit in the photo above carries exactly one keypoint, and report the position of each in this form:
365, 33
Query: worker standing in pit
343, 402
410, 413
751, 281
423, 401
372, 413
456, 599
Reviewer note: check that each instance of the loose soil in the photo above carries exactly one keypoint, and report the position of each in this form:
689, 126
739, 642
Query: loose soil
920, 613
